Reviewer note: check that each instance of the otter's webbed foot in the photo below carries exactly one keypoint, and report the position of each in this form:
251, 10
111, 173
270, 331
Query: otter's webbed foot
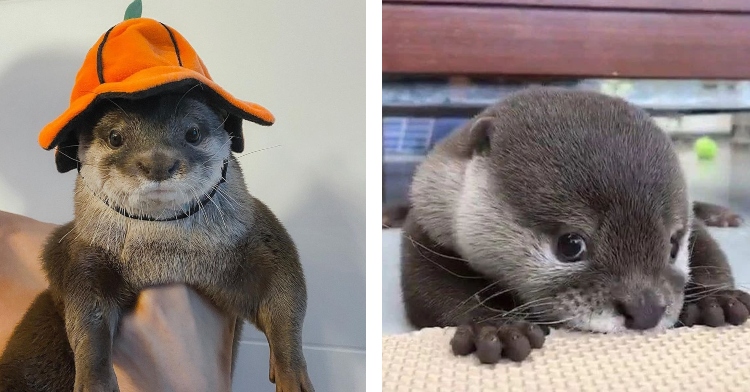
716, 215
716, 309
491, 342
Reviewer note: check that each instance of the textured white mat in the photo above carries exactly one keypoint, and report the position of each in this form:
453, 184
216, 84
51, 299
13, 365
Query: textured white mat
684, 359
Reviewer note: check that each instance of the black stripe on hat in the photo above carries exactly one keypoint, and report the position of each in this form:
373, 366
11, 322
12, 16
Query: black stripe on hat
174, 42
99, 63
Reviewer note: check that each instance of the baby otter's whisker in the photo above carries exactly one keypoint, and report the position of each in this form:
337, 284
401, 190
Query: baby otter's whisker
218, 208
221, 125
698, 295
508, 317
254, 151
198, 201
438, 264
232, 202
474, 296
415, 242
536, 302
118, 106
177, 106
218, 150
480, 302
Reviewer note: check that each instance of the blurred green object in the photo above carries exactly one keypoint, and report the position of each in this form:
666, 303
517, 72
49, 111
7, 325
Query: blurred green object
706, 148
134, 10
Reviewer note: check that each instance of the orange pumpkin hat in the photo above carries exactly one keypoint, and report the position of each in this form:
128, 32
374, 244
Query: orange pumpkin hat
138, 58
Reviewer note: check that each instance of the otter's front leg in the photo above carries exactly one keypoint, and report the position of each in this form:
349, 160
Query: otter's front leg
711, 298
440, 290
91, 316
268, 289
279, 316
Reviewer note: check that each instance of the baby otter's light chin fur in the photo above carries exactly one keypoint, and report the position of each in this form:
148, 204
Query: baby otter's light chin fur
610, 323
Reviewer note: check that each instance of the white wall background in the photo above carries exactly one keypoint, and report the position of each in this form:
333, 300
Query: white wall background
305, 61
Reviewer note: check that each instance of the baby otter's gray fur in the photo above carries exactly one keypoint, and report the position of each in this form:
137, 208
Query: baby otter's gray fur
143, 163
559, 207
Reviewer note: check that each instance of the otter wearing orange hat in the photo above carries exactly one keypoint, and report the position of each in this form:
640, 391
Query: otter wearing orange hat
139, 58
159, 199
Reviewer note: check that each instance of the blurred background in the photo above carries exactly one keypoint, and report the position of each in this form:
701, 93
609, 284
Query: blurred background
685, 61
276, 53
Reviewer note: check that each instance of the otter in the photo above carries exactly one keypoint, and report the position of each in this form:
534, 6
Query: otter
159, 199
560, 208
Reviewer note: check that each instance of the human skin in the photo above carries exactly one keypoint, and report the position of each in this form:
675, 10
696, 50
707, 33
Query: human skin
173, 340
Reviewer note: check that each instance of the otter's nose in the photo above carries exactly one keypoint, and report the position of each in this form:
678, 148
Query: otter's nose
642, 312
157, 167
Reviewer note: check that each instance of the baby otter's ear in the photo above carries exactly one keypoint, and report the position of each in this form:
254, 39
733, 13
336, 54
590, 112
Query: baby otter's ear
477, 141
233, 125
66, 152
66, 157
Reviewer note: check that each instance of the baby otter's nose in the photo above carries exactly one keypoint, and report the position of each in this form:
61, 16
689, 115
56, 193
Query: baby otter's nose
641, 312
158, 166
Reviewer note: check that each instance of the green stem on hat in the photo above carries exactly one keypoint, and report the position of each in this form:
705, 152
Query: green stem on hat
134, 10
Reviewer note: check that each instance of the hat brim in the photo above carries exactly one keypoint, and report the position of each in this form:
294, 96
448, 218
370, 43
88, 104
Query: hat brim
146, 83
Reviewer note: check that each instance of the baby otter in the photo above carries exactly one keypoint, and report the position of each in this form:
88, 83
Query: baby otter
565, 208
159, 199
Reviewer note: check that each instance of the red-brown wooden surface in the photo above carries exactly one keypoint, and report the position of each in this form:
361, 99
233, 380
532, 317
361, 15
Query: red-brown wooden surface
438, 39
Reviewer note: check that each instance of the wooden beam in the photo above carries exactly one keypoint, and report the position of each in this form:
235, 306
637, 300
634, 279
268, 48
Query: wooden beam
573, 43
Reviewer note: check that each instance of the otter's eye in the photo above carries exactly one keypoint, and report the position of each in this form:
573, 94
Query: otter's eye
675, 248
115, 139
571, 247
193, 135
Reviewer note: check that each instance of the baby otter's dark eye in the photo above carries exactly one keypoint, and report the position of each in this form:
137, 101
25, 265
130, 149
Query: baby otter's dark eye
571, 247
675, 248
193, 135
115, 139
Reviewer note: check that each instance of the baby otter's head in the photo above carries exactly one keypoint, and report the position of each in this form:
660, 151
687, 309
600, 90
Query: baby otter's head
153, 157
578, 202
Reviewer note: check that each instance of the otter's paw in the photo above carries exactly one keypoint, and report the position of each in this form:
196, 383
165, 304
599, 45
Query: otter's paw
108, 385
491, 342
720, 308
718, 216
94, 377
288, 379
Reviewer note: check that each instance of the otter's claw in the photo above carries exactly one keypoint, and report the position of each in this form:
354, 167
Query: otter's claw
718, 309
492, 341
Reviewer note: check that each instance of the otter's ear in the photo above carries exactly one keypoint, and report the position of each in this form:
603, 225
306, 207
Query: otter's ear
478, 138
233, 125
66, 155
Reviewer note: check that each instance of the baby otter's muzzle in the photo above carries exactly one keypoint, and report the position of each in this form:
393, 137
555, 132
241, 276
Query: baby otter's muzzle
642, 311
157, 166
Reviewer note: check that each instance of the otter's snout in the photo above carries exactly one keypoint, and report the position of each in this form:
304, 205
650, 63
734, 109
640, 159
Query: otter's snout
157, 166
641, 312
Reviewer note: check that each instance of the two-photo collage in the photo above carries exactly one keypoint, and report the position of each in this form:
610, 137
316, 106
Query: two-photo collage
396, 195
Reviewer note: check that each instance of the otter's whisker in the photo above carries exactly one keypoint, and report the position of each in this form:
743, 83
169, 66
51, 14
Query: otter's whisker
259, 150
479, 302
177, 106
118, 106
415, 242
